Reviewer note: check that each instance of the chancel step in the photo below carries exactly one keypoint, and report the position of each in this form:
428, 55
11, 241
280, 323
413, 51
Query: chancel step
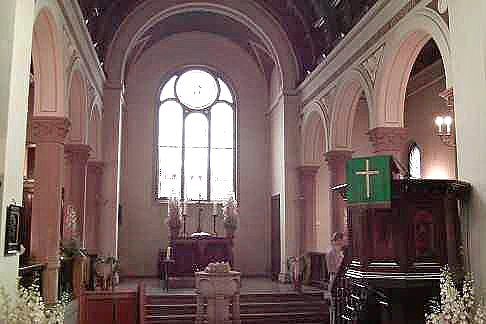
262, 307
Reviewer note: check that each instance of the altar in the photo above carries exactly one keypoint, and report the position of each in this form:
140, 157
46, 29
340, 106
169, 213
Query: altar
187, 253
194, 254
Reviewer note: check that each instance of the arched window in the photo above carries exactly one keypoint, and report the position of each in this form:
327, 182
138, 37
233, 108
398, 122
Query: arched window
414, 161
196, 137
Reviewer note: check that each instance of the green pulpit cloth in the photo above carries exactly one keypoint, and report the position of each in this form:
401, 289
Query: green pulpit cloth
369, 179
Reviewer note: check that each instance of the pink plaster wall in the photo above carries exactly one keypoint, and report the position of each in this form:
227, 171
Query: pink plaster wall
421, 105
142, 232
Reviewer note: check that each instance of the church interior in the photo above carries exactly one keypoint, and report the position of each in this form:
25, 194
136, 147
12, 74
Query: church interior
243, 161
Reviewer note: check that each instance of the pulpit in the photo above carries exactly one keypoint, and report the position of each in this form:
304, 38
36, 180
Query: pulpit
402, 231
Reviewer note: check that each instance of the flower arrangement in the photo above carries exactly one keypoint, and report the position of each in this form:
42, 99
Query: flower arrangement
455, 306
230, 214
28, 307
173, 219
173, 213
218, 267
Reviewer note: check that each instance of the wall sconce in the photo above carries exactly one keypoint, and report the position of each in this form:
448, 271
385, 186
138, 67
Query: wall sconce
446, 129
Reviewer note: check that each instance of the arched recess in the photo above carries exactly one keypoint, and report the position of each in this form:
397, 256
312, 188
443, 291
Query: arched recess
401, 51
250, 14
353, 84
94, 131
48, 66
78, 112
314, 143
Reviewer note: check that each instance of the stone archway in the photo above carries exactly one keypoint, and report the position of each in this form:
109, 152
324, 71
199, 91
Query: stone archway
401, 51
352, 86
314, 180
48, 65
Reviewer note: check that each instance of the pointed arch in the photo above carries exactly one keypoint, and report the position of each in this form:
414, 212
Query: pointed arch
401, 52
352, 86
48, 66
77, 109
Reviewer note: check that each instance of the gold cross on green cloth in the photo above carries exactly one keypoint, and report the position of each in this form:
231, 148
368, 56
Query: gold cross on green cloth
368, 173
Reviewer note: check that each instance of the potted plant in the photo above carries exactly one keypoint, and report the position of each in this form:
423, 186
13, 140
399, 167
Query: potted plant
107, 269
73, 255
297, 268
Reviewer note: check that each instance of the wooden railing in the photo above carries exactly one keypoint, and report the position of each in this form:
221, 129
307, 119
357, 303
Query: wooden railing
30, 274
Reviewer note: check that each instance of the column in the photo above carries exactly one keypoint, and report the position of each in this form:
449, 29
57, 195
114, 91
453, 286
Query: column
49, 134
469, 82
389, 141
308, 237
290, 219
78, 155
336, 161
112, 122
16, 24
93, 194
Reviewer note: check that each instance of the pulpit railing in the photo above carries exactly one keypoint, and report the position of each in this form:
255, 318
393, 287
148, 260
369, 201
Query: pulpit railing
354, 301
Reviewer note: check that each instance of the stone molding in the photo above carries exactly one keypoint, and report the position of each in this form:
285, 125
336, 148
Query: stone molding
80, 152
388, 139
50, 129
335, 159
308, 170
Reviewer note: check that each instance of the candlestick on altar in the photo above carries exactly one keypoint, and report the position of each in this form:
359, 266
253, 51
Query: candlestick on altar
215, 214
200, 210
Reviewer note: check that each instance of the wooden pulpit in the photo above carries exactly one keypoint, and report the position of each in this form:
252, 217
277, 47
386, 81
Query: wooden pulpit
402, 231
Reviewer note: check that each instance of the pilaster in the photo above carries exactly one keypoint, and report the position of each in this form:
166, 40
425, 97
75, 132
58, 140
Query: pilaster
93, 201
308, 234
336, 161
77, 156
112, 128
49, 134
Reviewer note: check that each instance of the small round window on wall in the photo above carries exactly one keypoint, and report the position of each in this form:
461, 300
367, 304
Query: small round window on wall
414, 161
196, 137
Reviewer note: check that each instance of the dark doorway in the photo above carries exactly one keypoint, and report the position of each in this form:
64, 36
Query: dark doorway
275, 245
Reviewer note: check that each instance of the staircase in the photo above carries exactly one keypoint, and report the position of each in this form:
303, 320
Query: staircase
258, 307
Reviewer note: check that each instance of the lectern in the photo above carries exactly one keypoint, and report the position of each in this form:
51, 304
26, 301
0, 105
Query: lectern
402, 231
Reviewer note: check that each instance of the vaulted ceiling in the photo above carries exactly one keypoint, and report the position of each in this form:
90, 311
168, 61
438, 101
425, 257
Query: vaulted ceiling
314, 27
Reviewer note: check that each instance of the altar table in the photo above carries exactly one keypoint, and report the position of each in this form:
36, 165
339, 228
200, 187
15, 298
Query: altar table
194, 254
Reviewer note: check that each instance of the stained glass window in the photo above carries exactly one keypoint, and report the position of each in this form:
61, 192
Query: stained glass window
196, 137
414, 157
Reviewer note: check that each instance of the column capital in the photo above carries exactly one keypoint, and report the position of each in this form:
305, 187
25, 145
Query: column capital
50, 129
448, 96
80, 151
337, 157
388, 139
308, 170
